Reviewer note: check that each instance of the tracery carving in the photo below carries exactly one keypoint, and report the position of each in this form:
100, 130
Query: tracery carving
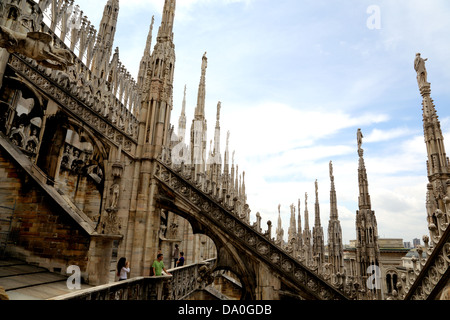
88, 114
38, 46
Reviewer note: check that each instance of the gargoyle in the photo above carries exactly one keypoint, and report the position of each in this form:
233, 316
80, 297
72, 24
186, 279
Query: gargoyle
37, 46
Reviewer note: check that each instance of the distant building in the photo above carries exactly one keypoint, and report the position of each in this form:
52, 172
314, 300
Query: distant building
392, 253
416, 242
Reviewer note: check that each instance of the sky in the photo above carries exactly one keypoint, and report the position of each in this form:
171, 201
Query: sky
296, 79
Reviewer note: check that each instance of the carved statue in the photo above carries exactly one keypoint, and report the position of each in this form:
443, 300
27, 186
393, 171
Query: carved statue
331, 169
37, 46
419, 66
317, 188
17, 135
115, 196
32, 141
204, 61
359, 137
66, 158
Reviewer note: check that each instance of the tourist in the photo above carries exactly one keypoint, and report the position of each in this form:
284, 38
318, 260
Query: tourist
176, 253
122, 269
158, 266
180, 261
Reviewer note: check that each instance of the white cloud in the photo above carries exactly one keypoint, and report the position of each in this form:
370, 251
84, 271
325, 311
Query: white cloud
378, 135
275, 128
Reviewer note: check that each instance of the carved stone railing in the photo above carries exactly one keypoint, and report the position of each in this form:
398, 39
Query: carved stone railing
182, 282
261, 245
187, 279
141, 288
429, 277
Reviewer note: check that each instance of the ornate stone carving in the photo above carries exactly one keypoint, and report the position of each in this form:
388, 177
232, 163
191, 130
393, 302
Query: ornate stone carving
263, 249
300, 275
287, 266
117, 169
312, 284
275, 258
115, 193
71, 104
38, 46
419, 66
251, 240
111, 224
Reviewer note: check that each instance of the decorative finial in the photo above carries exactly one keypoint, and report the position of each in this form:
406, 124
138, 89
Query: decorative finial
219, 107
359, 137
331, 169
204, 58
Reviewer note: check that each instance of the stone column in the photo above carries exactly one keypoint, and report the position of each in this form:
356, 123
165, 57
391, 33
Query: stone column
268, 286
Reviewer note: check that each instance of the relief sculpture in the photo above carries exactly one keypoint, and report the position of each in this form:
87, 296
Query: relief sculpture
38, 46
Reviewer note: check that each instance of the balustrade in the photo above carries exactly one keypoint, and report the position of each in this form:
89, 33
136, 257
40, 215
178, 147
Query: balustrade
182, 282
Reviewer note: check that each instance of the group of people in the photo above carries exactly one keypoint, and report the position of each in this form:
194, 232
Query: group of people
123, 266
178, 257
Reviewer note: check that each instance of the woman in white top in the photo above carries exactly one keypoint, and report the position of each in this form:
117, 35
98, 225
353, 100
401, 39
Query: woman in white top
122, 269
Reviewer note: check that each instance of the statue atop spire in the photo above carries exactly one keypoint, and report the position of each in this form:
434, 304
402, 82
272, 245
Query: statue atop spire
359, 137
317, 189
292, 231
335, 248
333, 202
219, 107
419, 66
148, 44
204, 61
331, 171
